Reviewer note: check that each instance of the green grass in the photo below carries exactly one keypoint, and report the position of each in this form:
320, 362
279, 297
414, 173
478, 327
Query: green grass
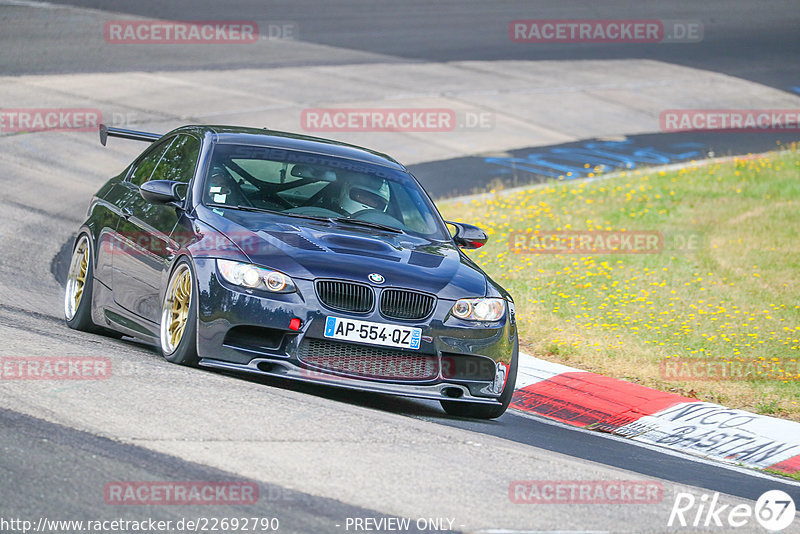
731, 296
795, 476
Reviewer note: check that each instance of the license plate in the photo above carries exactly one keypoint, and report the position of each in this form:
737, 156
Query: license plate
376, 333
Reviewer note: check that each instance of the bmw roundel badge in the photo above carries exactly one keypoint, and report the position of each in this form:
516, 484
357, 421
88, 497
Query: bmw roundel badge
375, 277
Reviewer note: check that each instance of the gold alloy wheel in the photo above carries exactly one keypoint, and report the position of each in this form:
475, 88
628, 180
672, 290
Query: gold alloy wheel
76, 277
175, 311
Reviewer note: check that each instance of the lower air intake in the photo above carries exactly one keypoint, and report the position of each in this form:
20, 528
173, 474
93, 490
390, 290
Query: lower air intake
365, 361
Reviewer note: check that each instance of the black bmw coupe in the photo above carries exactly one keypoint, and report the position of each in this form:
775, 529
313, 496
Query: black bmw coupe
293, 256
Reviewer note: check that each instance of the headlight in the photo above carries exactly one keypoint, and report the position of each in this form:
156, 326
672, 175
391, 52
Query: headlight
485, 309
250, 276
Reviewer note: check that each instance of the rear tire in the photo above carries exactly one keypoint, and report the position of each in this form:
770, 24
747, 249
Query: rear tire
487, 411
178, 330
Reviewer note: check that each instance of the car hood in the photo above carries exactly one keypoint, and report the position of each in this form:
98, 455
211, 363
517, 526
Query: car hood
309, 249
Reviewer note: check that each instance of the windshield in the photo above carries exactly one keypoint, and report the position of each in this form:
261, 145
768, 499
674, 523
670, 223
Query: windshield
313, 185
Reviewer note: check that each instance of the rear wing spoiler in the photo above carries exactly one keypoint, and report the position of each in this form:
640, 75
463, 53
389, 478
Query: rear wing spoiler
107, 131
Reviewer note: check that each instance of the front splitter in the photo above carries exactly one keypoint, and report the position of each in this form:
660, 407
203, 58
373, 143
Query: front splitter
448, 391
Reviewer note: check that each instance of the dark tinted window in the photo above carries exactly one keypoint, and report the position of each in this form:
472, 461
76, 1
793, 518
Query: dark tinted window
179, 161
145, 167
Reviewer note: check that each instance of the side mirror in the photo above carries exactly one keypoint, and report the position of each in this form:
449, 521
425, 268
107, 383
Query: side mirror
160, 191
468, 236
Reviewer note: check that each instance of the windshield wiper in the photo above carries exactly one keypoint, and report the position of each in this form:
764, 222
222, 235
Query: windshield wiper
369, 224
265, 210
345, 220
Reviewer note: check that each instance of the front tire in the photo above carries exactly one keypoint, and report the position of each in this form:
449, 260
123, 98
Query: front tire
78, 289
487, 411
178, 331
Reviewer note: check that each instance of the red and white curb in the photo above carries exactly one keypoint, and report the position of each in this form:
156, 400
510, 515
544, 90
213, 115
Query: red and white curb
596, 402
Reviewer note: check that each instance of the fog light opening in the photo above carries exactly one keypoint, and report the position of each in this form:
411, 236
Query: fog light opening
453, 393
265, 367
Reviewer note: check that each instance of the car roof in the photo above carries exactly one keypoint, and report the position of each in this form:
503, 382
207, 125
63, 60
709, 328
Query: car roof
292, 141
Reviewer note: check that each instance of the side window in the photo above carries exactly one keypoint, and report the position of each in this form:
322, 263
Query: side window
179, 161
146, 165
411, 208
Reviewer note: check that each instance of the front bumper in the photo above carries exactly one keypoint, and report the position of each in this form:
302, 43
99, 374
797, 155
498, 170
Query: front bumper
248, 331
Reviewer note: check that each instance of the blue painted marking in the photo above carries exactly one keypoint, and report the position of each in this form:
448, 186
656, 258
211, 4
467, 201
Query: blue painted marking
415, 337
796, 88
330, 326
569, 163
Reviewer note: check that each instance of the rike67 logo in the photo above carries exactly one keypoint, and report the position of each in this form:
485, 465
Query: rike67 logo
775, 510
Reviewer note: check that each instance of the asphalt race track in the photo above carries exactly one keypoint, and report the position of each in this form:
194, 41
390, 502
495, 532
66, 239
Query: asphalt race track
745, 39
321, 457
